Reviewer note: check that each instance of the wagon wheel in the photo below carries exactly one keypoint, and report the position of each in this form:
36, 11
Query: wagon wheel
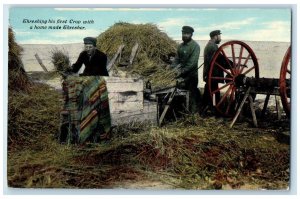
233, 58
284, 82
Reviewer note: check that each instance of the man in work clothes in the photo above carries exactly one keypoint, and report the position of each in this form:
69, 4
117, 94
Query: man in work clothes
93, 59
209, 51
186, 63
95, 65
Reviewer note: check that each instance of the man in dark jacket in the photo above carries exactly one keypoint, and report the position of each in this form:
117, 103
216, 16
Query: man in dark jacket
186, 63
93, 59
209, 51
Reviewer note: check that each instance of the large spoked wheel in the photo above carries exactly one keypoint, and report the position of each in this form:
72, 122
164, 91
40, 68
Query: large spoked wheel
232, 59
284, 82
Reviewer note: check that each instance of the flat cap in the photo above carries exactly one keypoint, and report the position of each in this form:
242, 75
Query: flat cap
214, 33
90, 40
187, 29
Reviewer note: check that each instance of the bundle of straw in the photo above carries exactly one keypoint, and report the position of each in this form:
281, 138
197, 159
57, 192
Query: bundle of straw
60, 60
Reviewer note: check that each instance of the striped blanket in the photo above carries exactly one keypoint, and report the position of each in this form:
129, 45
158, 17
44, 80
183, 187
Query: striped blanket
85, 115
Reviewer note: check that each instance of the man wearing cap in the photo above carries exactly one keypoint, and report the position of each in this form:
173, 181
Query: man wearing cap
186, 63
93, 59
209, 51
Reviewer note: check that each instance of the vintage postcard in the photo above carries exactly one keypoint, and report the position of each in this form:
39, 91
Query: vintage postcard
149, 98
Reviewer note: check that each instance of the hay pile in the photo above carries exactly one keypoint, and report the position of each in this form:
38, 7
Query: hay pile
17, 78
150, 60
32, 114
33, 109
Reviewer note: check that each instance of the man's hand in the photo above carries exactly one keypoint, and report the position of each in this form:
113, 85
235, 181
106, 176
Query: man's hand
180, 83
177, 71
68, 71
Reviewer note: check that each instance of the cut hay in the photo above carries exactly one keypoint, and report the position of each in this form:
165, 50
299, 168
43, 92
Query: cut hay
17, 78
193, 150
61, 60
189, 154
150, 60
32, 114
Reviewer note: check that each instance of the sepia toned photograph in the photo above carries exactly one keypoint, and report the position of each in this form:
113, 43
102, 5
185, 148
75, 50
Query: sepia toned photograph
149, 98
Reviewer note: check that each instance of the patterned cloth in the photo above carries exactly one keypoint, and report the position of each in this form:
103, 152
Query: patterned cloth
85, 115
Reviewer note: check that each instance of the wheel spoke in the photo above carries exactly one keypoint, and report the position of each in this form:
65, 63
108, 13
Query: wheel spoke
227, 60
247, 71
240, 57
224, 96
223, 68
230, 83
233, 54
246, 61
242, 69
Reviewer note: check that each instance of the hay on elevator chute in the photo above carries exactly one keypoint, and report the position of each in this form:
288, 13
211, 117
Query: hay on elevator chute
152, 54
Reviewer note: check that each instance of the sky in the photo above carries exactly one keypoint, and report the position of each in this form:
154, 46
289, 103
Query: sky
248, 24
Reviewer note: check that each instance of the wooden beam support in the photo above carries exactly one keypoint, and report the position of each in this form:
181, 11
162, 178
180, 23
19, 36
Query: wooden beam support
240, 107
252, 111
265, 106
40, 62
113, 60
167, 106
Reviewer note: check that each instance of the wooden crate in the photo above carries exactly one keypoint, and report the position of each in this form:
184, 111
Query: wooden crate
127, 102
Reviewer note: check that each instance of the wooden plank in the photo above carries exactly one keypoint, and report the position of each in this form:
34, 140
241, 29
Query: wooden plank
147, 108
278, 108
124, 84
125, 106
133, 53
147, 114
252, 111
40, 62
240, 108
166, 108
130, 96
121, 79
263, 91
124, 87
265, 106
113, 60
